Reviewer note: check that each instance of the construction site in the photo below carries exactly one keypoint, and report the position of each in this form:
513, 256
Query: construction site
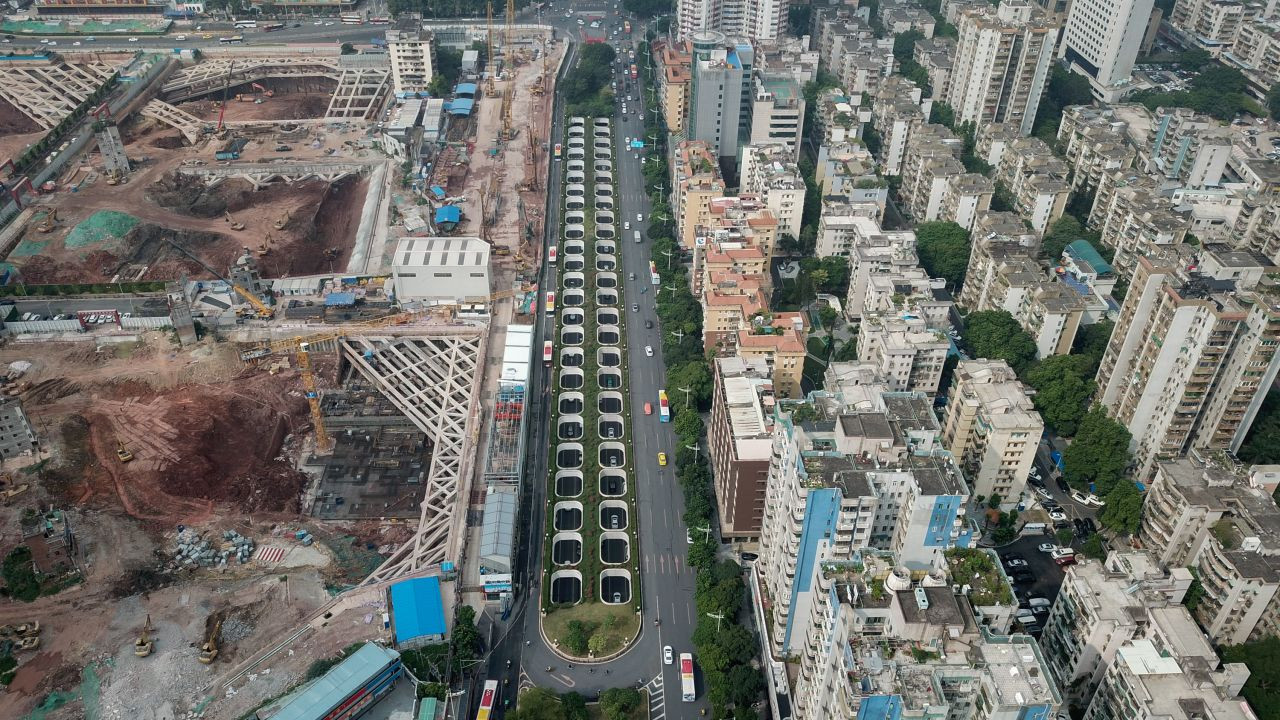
240, 497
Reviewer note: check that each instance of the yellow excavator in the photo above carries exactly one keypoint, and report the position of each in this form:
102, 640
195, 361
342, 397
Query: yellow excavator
49, 222
209, 650
234, 225
143, 646
282, 220
264, 248
122, 452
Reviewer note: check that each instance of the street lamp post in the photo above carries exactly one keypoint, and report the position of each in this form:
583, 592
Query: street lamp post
719, 618
687, 392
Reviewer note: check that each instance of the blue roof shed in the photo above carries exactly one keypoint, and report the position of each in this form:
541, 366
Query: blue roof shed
448, 214
461, 106
339, 299
335, 686
417, 611
464, 89
437, 191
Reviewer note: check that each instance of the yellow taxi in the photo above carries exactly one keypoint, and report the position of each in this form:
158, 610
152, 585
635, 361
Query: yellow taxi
662, 459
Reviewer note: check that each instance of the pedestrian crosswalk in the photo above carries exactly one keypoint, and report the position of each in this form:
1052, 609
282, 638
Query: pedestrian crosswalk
657, 699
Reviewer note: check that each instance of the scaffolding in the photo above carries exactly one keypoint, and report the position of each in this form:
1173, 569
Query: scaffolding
506, 436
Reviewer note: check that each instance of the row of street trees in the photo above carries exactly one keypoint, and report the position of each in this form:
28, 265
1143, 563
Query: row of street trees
726, 649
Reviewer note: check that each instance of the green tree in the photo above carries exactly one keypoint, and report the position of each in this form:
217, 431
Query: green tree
1064, 384
1262, 689
1262, 444
1123, 512
574, 706
1091, 343
647, 8
695, 377
827, 315
577, 636
944, 251
1099, 453
1094, 548
995, 335
1273, 102
20, 580
347, 49
688, 425
619, 703
1064, 537
538, 704
1062, 232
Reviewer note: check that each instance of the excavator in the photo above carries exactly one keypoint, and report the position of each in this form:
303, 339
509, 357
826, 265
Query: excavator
122, 452
49, 222
264, 248
282, 221
209, 650
143, 646
234, 225
264, 91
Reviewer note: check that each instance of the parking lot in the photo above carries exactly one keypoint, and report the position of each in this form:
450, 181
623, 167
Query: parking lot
1043, 576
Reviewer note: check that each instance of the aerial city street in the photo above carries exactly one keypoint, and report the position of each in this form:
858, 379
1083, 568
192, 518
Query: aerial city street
639, 360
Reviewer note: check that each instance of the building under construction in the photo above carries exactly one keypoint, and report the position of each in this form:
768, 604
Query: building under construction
379, 461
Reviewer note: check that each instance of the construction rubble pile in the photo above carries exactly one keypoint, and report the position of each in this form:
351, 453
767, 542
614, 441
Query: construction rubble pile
194, 550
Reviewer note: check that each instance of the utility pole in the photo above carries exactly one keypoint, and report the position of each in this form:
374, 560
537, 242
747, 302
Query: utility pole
719, 619
687, 392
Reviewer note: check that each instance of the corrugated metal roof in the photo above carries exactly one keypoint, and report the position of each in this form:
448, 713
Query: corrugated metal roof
334, 686
442, 251
497, 533
417, 609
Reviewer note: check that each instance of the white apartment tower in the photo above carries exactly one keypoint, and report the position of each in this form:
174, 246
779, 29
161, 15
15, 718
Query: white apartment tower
1101, 42
753, 19
409, 48
1005, 53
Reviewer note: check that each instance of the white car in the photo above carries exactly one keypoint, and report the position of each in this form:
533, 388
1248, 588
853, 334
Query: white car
666, 654
1082, 498
1044, 493
1062, 553
639, 217
133, 39
1094, 500
580, 22
1057, 515
1048, 547
687, 537
626, 225
318, 23
648, 350
76, 44
1015, 563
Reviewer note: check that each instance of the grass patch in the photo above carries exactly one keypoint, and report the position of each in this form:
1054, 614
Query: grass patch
20, 581
613, 624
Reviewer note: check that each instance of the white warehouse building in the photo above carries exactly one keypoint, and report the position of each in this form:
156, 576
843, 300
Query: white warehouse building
441, 269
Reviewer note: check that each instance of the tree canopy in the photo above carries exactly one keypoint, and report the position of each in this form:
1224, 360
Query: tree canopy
647, 8
1262, 689
586, 88
1063, 384
995, 335
944, 251
1262, 444
1099, 453
1218, 91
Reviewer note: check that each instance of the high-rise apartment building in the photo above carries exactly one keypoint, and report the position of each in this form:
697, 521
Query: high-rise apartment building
868, 471
695, 182
1222, 522
740, 443
1193, 352
409, 47
777, 111
1005, 53
1146, 683
992, 428
721, 92
753, 19
1101, 41
769, 172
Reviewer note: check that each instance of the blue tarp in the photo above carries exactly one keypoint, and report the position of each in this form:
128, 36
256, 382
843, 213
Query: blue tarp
437, 191
467, 89
417, 609
339, 299
448, 214
461, 106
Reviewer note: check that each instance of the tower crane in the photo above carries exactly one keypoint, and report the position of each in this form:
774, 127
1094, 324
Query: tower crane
301, 346
264, 311
490, 61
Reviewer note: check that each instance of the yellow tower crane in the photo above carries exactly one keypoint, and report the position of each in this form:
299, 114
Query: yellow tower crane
301, 346
490, 61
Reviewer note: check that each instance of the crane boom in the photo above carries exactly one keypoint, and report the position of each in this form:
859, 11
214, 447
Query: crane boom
324, 443
264, 310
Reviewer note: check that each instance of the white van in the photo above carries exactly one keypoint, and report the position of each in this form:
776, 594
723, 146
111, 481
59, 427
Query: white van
637, 236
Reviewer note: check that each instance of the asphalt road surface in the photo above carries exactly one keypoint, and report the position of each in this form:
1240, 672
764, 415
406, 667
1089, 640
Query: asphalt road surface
666, 582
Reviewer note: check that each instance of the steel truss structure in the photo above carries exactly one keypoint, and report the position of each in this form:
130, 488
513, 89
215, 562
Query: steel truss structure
432, 375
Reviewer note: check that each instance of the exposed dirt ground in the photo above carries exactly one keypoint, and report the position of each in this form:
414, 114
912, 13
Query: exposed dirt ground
319, 218
202, 445
291, 106
17, 131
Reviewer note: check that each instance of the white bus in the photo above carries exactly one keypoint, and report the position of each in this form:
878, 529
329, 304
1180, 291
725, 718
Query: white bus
246, 24
352, 19
232, 39
688, 692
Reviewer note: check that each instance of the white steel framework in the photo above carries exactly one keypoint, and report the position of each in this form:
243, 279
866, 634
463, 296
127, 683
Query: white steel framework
433, 375
188, 124
48, 91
